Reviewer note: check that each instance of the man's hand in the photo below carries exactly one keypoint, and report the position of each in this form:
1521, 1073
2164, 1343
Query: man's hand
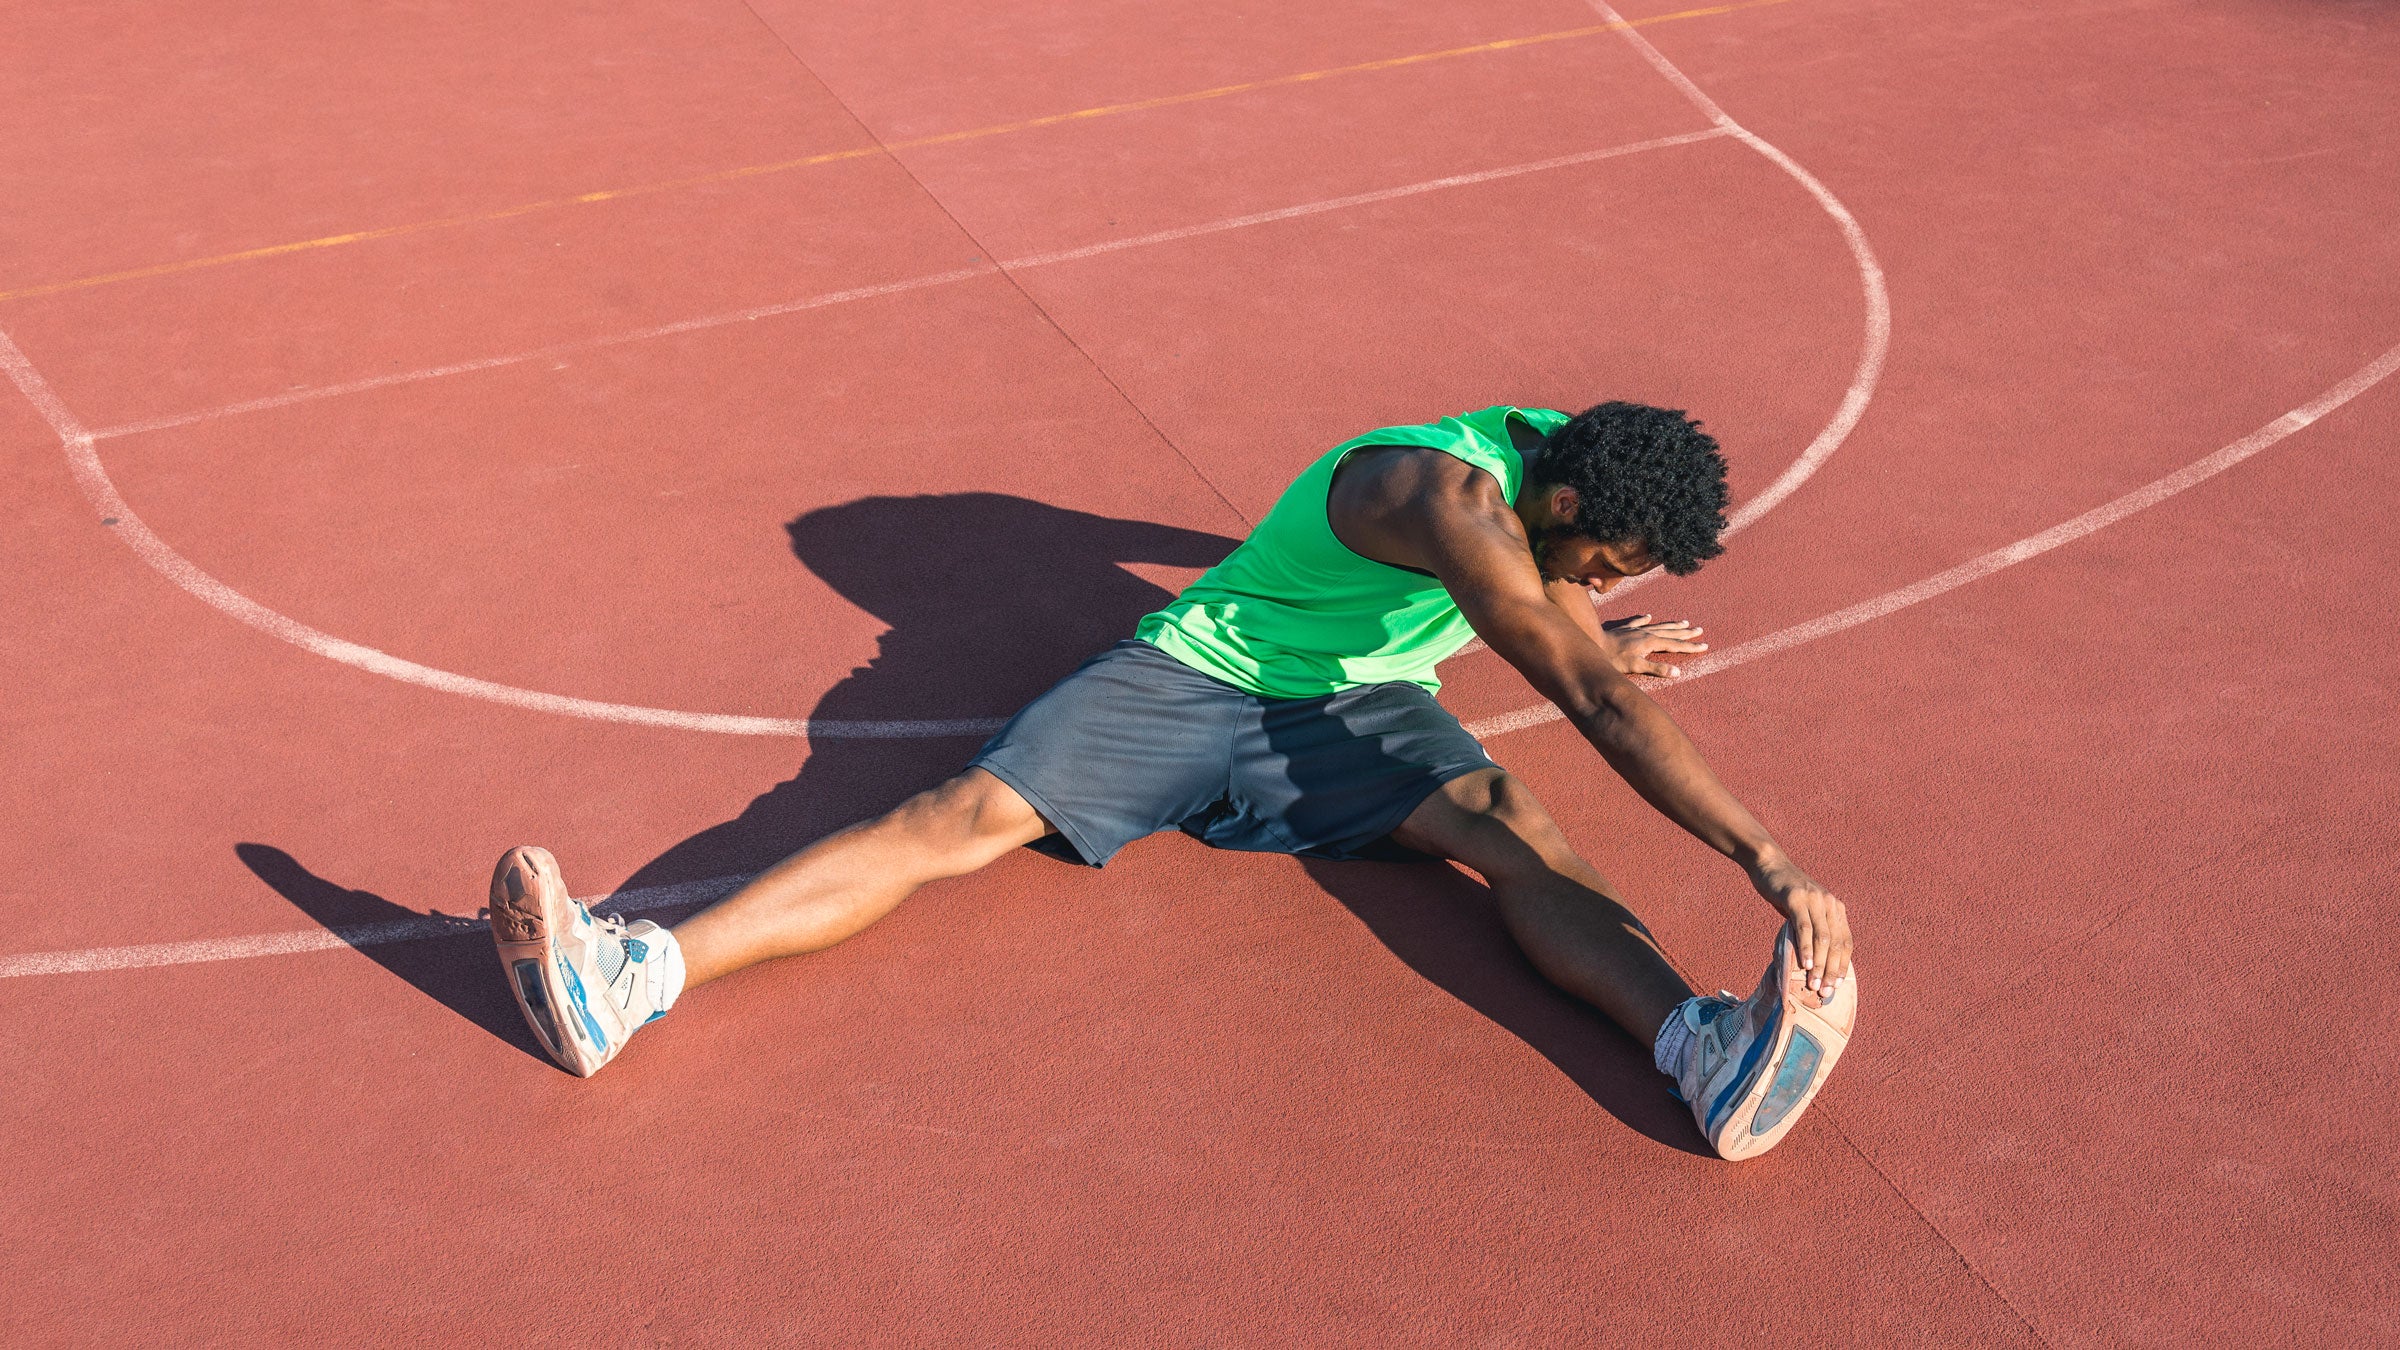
1631, 643
1820, 925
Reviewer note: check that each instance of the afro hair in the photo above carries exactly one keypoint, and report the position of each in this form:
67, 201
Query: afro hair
1640, 473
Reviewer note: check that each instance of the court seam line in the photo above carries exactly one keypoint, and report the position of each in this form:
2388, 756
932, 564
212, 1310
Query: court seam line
692, 892
2035, 967
1965, 1262
981, 251
855, 152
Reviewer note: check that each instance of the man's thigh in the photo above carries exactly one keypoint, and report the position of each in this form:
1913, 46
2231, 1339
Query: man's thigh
1132, 743
1490, 821
1332, 777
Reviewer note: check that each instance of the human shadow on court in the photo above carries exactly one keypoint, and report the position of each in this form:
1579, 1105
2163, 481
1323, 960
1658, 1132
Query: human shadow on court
989, 600
455, 968
1441, 923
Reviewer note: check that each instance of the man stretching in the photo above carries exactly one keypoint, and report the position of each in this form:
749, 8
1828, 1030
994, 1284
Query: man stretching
1284, 703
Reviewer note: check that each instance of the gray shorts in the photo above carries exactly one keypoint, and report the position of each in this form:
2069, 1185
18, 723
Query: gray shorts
1135, 742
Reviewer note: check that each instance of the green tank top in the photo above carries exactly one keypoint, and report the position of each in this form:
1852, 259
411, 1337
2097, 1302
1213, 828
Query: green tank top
1293, 613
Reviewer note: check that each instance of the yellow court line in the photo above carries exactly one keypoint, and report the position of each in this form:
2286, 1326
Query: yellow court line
865, 151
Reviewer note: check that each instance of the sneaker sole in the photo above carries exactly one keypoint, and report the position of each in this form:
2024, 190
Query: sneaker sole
1809, 1037
530, 906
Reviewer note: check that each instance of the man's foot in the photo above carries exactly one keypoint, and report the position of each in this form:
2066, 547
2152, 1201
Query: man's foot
1752, 1067
585, 984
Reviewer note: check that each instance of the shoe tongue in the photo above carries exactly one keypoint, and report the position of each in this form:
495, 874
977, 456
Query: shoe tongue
609, 953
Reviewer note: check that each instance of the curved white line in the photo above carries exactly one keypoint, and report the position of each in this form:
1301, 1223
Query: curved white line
1870, 278
1975, 569
698, 892
1878, 338
91, 475
84, 462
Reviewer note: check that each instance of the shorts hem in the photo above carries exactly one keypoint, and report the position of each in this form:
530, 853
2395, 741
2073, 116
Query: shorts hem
1435, 780
1084, 852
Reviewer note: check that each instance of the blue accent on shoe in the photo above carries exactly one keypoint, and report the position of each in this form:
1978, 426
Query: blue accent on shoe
654, 1017
635, 950
1799, 1069
537, 1004
582, 1010
1741, 1077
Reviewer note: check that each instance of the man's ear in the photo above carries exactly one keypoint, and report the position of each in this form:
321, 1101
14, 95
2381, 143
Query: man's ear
1563, 501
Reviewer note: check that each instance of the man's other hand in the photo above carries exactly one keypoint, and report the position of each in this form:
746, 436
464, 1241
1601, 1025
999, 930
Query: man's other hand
1634, 643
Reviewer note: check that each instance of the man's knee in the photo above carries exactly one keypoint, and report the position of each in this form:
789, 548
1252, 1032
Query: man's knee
1490, 820
975, 809
1508, 803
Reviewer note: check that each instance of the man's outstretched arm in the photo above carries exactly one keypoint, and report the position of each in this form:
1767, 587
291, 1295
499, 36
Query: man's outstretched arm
1464, 532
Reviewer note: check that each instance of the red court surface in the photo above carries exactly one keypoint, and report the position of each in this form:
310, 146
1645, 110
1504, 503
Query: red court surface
670, 430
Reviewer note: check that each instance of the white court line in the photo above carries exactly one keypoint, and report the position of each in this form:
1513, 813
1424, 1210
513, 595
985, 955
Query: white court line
410, 929
1975, 569
1870, 279
541, 353
696, 892
83, 458
84, 461
1872, 349
909, 284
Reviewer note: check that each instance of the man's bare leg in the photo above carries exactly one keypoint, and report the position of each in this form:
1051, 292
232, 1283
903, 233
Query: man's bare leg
842, 883
1562, 912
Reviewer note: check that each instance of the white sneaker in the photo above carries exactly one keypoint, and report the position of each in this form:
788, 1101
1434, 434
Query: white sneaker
1752, 1067
585, 984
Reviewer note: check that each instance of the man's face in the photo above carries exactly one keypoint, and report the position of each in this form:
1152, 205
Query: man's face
1597, 567
1563, 555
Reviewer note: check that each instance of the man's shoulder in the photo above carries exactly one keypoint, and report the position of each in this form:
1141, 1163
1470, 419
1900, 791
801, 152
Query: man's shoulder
1413, 479
1410, 500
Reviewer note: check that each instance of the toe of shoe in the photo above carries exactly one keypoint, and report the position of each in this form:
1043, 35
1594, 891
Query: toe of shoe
520, 882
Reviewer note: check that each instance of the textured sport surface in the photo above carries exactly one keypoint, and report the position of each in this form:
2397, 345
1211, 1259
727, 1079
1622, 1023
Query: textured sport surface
670, 430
